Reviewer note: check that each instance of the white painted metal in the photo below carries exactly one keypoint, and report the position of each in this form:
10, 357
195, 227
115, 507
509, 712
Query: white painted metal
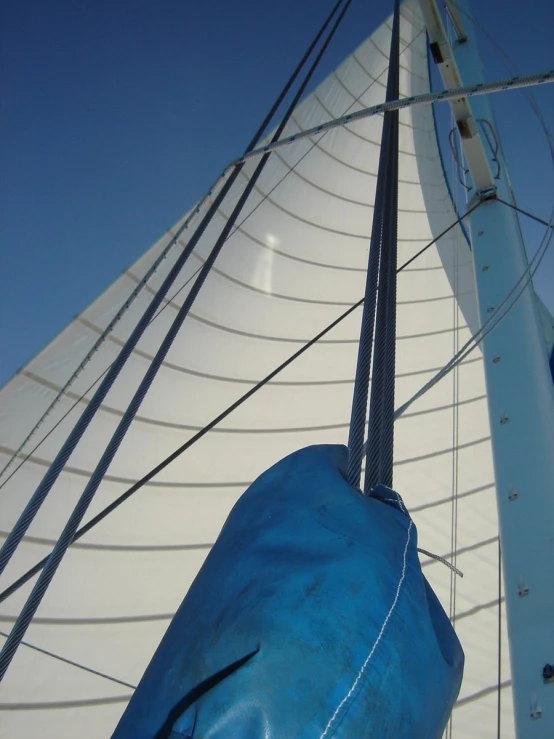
471, 141
521, 407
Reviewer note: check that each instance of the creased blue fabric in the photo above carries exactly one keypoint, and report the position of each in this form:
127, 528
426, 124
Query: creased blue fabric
310, 618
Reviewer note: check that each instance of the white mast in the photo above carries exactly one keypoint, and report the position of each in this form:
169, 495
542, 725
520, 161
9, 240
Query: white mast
520, 393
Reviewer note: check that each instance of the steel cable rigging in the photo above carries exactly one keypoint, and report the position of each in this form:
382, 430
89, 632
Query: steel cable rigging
68, 533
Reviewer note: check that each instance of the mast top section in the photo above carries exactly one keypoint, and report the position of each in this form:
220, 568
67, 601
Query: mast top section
477, 161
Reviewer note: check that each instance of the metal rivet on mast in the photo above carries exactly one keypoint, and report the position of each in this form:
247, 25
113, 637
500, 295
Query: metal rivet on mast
535, 711
522, 588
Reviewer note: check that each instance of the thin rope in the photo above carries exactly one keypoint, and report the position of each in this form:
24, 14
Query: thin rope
461, 172
74, 664
444, 561
68, 533
526, 213
455, 442
497, 317
222, 416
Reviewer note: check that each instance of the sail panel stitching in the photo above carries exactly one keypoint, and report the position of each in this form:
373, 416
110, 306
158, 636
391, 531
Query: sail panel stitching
175, 425
347, 698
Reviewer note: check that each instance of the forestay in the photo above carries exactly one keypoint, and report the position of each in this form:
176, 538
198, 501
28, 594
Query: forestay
294, 264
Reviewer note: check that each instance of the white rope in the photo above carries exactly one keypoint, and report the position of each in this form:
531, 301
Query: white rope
511, 83
441, 559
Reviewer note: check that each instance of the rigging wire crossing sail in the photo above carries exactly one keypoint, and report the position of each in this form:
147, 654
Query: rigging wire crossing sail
68, 533
281, 295
320, 641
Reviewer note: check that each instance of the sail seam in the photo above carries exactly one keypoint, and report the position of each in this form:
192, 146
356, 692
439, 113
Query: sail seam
82, 399
41, 541
481, 694
464, 550
319, 147
203, 484
298, 299
188, 220
345, 127
444, 501
344, 702
270, 430
357, 203
127, 480
288, 340
478, 608
94, 621
179, 451
402, 240
383, 54
240, 380
376, 81
54, 705
293, 170
69, 531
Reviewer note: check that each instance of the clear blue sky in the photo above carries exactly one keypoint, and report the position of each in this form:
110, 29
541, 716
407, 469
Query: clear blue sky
117, 116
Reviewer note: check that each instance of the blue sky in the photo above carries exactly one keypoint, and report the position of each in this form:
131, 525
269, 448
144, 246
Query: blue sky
117, 116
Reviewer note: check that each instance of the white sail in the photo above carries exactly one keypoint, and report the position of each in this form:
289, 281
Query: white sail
296, 262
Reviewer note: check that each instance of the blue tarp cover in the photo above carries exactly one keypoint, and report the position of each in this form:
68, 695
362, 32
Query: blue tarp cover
310, 618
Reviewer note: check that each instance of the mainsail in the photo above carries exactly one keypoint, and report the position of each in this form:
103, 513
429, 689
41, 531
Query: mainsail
295, 262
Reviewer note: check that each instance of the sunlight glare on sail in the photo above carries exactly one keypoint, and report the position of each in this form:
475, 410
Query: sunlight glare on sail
263, 268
